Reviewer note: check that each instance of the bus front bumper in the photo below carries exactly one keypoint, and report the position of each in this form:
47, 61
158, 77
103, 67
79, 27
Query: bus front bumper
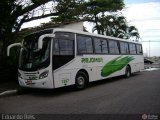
32, 81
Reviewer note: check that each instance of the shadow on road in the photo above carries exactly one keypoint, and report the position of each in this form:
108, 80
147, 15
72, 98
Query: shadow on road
45, 92
113, 79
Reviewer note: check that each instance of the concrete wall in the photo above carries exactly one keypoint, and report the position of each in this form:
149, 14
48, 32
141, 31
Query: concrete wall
74, 26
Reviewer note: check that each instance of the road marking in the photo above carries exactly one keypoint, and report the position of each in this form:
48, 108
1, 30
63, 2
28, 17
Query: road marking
8, 92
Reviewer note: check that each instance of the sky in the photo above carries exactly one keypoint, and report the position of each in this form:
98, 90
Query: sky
144, 15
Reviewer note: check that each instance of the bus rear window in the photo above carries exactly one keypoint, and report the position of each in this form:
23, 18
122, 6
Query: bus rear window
139, 49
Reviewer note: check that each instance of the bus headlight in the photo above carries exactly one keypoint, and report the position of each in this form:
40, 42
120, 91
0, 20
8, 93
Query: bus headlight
44, 74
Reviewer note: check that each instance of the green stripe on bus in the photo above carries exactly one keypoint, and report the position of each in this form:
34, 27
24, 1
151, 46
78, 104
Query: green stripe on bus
115, 65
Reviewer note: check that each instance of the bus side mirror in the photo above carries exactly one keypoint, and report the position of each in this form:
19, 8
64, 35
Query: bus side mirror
41, 38
12, 45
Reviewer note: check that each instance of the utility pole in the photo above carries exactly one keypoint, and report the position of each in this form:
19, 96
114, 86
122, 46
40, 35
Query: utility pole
149, 48
147, 53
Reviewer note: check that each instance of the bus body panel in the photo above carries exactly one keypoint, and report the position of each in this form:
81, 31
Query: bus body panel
66, 74
98, 66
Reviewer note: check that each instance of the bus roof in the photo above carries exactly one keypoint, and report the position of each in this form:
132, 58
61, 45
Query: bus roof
92, 34
52, 30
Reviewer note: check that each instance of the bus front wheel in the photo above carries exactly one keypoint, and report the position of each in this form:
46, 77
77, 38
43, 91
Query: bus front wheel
81, 81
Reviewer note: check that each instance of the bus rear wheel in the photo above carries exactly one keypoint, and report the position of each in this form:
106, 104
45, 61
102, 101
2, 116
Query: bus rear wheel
127, 72
81, 81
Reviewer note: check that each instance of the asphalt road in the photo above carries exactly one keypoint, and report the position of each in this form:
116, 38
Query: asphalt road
135, 95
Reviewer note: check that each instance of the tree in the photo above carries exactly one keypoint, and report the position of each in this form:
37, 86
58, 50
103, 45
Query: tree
16, 12
96, 9
70, 10
13, 14
89, 10
116, 26
132, 32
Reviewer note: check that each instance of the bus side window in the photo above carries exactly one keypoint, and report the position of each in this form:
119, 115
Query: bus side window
113, 47
66, 47
124, 48
100, 45
85, 44
132, 48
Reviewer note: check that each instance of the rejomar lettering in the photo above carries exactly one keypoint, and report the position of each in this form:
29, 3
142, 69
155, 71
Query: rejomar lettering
91, 60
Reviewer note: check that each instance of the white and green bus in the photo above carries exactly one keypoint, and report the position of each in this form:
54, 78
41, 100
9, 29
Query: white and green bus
57, 57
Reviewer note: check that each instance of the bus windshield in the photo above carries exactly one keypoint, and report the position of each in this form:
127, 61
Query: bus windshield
31, 58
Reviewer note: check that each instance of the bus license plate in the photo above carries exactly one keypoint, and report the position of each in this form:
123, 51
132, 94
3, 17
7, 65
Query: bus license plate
29, 82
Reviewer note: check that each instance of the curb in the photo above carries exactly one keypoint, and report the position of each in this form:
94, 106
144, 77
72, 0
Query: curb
8, 92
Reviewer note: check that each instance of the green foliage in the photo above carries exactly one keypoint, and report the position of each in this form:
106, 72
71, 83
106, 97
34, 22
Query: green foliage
98, 6
12, 16
9, 10
69, 10
116, 26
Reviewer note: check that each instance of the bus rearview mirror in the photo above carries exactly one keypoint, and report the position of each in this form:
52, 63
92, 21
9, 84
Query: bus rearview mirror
12, 45
41, 38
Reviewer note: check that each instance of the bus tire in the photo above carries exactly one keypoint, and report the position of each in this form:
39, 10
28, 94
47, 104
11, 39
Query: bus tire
128, 71
80, 81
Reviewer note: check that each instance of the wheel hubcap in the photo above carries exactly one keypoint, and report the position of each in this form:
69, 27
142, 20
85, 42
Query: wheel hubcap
80, 80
